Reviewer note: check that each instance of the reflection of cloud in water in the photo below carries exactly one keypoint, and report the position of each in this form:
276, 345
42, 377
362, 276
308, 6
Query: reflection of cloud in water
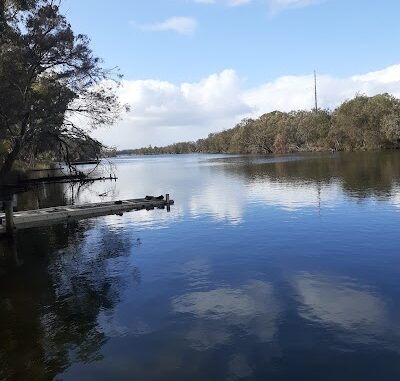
196, 271
203, 191
293, 196
239, 367
205, 336
156, 219
108, 323
110, 326
217, 304
252, 308
227, 201
341, 303
224, 201
396, 197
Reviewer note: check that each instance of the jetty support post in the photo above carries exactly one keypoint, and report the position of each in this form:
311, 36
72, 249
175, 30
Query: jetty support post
8, 245
8, 208
167, 202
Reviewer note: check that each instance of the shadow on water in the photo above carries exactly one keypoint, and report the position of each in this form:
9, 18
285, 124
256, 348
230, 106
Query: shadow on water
53, 284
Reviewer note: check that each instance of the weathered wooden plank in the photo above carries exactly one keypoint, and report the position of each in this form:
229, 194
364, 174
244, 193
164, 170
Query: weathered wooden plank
32, 218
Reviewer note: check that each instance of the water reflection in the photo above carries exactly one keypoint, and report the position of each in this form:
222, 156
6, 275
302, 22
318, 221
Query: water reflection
50, 305
355, 313
222, 198
360, 175
222, 187
251, 308
239, 367
396, 196
266, 268
294, 182
292, 197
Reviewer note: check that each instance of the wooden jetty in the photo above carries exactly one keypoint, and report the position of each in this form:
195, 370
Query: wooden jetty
43, 217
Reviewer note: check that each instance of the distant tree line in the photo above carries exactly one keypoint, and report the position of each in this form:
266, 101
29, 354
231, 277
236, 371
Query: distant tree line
362, 123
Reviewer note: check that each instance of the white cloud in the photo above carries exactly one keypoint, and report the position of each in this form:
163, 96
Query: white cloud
236, 3
275, 6
169, 105
163, 112
388, 75
281, 5
229, 3
296, 92
181, 25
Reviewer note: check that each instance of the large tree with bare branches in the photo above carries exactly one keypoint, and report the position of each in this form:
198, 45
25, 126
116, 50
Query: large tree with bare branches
53, 90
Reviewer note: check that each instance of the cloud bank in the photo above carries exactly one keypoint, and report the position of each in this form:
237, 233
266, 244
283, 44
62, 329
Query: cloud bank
163, 112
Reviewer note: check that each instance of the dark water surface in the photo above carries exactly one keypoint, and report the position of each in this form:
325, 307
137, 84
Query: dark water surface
274, 268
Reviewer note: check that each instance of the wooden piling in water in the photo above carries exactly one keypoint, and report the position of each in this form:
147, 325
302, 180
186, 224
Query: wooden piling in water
9, 215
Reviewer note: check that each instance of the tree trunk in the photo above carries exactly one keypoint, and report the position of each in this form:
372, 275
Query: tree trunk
10, 159
13, 155
2, 16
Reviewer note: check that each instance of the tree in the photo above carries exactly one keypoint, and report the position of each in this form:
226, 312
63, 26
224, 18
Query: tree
53, 90
360, 123
391, 129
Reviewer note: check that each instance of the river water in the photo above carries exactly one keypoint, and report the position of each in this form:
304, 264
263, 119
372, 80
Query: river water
266, 268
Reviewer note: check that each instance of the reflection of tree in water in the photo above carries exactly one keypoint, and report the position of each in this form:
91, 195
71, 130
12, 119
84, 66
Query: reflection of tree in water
46, 195
361, 174
43, 196
50, 304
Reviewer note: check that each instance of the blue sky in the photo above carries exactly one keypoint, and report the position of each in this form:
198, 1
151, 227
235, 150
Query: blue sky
256, 43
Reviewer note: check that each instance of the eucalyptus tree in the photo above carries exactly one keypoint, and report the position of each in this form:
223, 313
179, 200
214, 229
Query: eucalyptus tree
364, 123
53, 89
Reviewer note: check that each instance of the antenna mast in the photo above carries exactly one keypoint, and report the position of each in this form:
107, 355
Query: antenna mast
315, 89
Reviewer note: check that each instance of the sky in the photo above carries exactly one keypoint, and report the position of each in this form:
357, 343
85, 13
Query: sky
192, 67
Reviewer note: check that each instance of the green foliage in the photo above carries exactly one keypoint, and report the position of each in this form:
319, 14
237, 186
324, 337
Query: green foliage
363, 123
52, 89
366, 123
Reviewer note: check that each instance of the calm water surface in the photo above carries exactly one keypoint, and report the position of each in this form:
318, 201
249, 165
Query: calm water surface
266, 268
